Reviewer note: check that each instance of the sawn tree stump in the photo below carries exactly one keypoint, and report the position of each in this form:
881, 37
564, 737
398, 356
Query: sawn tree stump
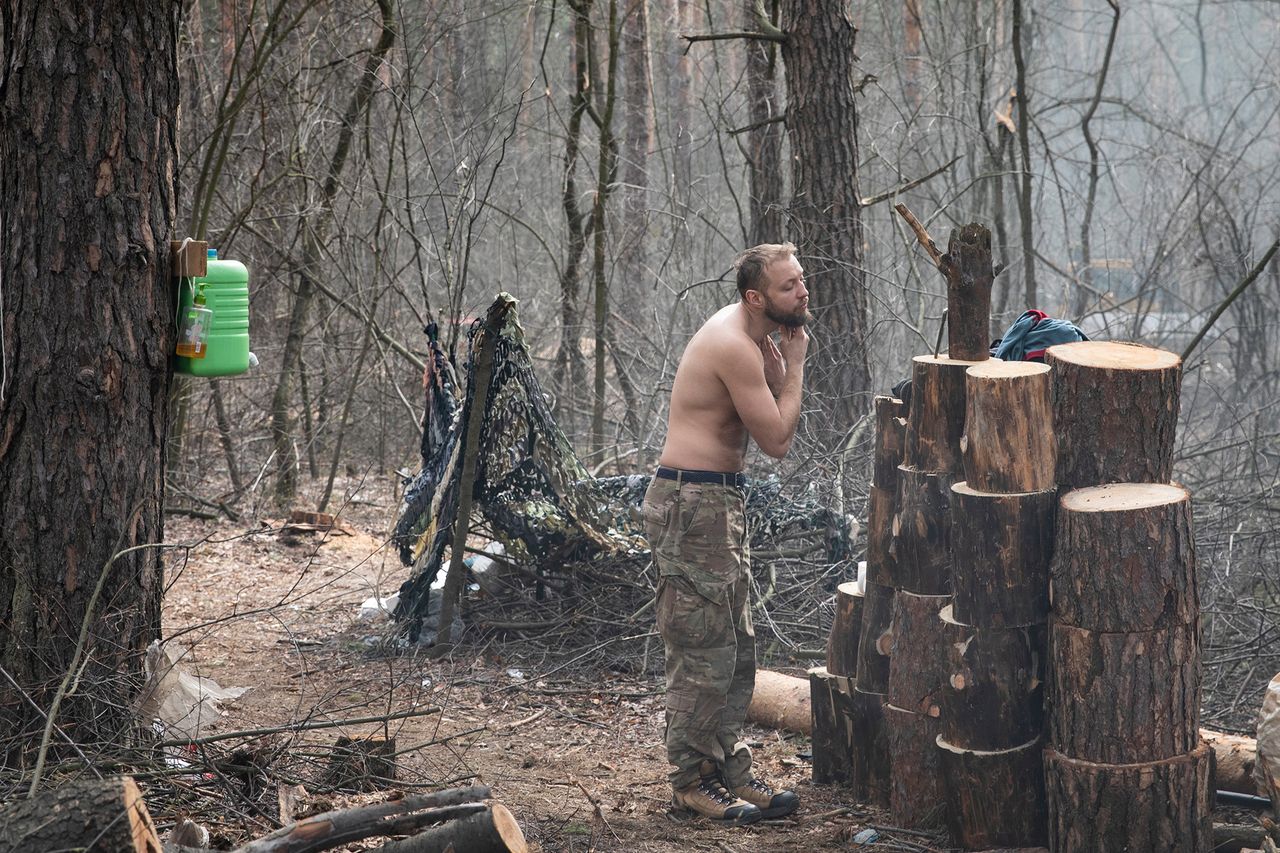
994, 696
106, 816
969, 273
916, 791
921, 553
1009, 444
882, 502
1125, 558
846, 626
1124, 698
363, 764
850, 746
1160, 805
1001, 547
995, 798
936, 421
1115, 412
918, 667
875, 643
891, 431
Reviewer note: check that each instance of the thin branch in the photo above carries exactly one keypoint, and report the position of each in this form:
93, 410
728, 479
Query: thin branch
778, 37
1226, 303
758, 125
909, 185
935, 254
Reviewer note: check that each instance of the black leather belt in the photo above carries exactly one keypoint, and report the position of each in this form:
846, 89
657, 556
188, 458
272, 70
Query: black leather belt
682, 475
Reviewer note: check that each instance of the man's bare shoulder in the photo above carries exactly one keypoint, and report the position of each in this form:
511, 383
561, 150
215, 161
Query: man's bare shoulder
723, 336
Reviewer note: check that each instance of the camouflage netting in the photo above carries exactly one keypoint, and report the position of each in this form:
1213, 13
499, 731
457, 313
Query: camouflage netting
530, 486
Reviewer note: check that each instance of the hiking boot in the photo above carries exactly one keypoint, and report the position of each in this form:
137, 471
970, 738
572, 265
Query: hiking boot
771, 803
709, 798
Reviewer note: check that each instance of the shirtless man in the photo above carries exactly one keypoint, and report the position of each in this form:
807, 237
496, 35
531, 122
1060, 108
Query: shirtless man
733, 382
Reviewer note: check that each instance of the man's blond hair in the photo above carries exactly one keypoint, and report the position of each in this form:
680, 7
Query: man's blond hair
752, 263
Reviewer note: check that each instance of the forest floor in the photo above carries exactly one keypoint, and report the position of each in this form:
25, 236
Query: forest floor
574, 752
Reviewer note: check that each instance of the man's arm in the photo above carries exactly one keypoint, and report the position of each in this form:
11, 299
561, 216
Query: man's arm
771, 422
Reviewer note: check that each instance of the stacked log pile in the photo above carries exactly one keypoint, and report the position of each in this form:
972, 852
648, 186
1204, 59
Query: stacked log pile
1125, 767
848, 694
991, 740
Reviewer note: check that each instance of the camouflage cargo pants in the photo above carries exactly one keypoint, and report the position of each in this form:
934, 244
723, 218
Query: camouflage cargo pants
697, 533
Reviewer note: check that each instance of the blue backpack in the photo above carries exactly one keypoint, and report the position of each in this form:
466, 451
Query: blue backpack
1032, 334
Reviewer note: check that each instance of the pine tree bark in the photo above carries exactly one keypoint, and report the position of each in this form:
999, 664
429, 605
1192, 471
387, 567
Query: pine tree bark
920, 558
1009, 443
1128, 393
917, 798
846, 627
936, 423
876, 639
969, 273
918, 666
850, 745
995, 798
1125, 558
91, 815
88, 101
764, 140
826, 210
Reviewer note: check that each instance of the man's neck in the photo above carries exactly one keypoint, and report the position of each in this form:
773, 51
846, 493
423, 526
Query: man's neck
757, 326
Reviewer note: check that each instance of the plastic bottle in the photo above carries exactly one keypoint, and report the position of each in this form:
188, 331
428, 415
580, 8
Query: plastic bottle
193, 337
226, 290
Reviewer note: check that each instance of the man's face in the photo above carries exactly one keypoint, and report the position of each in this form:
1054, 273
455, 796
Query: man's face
786, 299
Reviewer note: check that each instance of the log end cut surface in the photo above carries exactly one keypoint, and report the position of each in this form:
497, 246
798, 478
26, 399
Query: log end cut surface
996, 369
1123, 497
1115, 355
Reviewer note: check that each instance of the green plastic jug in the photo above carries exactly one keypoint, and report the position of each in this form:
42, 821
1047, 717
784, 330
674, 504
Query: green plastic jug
226, 294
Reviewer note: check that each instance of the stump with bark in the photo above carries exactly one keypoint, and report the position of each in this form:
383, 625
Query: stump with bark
1127, 697
1159, 805
921, 533
882, 502
918, 667
875, 643
1115, 412
1126, 558
916, 795
846, 626
890, 433
1001, 547
106, 816
994, 695
849, 740
969, 273
1008, 444
936, 421
995, 798
363, 764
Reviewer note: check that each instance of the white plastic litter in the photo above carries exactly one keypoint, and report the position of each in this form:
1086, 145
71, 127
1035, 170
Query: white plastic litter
182, 703
375, 608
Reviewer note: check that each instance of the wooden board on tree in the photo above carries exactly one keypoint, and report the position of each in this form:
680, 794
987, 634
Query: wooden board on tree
1124, 698
1001, 549
1160, 805
1008, 443
1115, 411
1125, 558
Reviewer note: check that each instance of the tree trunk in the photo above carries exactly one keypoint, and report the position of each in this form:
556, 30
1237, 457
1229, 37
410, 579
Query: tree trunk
969, 273
1099, 387
1161, 805
995, 798
764, 140
921, 554
849, 739
1001, 546
1009, 443
1125, 558
918, 667
936, 423
781, 701
106, 816
882, 502
917, 791
87, 157
493, 830
994, 695
826, 210
875, 641
1124, 698
846, 627
1025, 177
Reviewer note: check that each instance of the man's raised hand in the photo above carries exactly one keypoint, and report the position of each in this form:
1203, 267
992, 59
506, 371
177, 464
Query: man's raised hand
775, 370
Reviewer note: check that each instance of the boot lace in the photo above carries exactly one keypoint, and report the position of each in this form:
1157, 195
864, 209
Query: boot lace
712, 787
761, 787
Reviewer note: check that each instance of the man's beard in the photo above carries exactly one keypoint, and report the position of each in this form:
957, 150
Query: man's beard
791, 321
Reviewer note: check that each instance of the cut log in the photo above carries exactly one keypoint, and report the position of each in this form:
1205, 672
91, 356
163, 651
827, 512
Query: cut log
1125, 558
849, 742
921, 551
994, 696
1124, 698
363, 764
916, 791
891, 430
1008, 444
936, 421
1234, 754
781, 702
876, 640
995, 797
918, 669
1001, 548
106, 816
882, 505
1161, 805
1126, 393
969, 273
846, 627
493, 830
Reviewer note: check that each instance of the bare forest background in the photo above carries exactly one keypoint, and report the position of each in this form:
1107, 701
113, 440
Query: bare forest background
379, 166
